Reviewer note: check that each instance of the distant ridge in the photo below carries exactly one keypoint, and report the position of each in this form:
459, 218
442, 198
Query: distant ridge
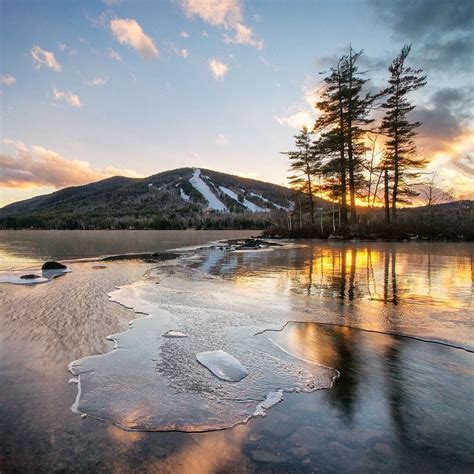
176, 199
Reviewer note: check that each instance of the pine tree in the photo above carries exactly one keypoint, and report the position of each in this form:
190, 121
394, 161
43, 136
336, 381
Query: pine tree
303, 168
401, 158
344, 116
331, 125
356, 116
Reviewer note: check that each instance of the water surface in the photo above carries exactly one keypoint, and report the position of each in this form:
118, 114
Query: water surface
400, 404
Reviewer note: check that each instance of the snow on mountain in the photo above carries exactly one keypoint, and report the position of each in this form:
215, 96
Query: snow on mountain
245, 202
183, 195
200, 186
283, 208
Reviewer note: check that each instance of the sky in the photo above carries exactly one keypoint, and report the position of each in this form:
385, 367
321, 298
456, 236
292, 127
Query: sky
96, 88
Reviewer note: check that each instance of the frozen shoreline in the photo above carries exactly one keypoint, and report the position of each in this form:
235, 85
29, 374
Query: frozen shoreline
214, 314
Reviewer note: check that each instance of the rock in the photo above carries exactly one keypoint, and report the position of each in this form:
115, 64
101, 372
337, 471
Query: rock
161, 256
300, 451
383, 448
253, 244
146, 257
304, 436
265, 456
53, 266
30, 276
98, 267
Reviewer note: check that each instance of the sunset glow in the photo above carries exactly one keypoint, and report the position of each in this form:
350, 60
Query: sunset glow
93, 89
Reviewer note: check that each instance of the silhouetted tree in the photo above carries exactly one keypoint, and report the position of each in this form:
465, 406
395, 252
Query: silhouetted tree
331, 126
357, 105
303, 167
401, 159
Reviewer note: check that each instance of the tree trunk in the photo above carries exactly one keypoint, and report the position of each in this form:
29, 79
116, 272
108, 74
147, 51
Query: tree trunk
386, 197
343, 161
395, 190
310, 192
350, 151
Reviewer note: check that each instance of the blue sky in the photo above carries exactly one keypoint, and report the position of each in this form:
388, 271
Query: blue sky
96, 88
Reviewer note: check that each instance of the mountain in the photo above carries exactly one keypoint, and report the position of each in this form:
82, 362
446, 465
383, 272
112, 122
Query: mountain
177, 199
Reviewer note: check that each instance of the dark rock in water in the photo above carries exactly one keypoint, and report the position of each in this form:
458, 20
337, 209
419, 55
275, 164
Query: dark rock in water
30, 276
53, 266
146, 257
161, 256
253, 244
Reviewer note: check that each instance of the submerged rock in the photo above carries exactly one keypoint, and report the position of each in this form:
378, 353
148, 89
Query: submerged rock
222, 365
30, 276
53, 266
265, 456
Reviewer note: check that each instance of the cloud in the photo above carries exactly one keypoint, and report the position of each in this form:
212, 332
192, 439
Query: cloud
224, 14
128, 31
97, 81
243, 35
114, 55
455, 164
183, 52
222, 139
184, 34
442, 31
297, 120
8, 80
267, 63
218, 68
110, 3
422, 17
101, 20
38, 166
68, 97
304, 112
446, 117
44, 58
62, 46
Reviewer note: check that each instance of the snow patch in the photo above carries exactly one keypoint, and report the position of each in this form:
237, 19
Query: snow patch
198, 184
184, 196
222, 365
271, 202
248, 204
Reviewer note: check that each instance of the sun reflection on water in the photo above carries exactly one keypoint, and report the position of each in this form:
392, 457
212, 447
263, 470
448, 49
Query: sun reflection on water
392, 274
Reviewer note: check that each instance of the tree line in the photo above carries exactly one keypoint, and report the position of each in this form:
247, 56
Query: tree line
339, 157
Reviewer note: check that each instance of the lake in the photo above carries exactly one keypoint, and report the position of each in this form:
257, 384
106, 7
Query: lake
367, 346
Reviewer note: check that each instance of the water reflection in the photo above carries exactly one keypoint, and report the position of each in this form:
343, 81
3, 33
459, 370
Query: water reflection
27, 248
400, 405
430, 274
412, 395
